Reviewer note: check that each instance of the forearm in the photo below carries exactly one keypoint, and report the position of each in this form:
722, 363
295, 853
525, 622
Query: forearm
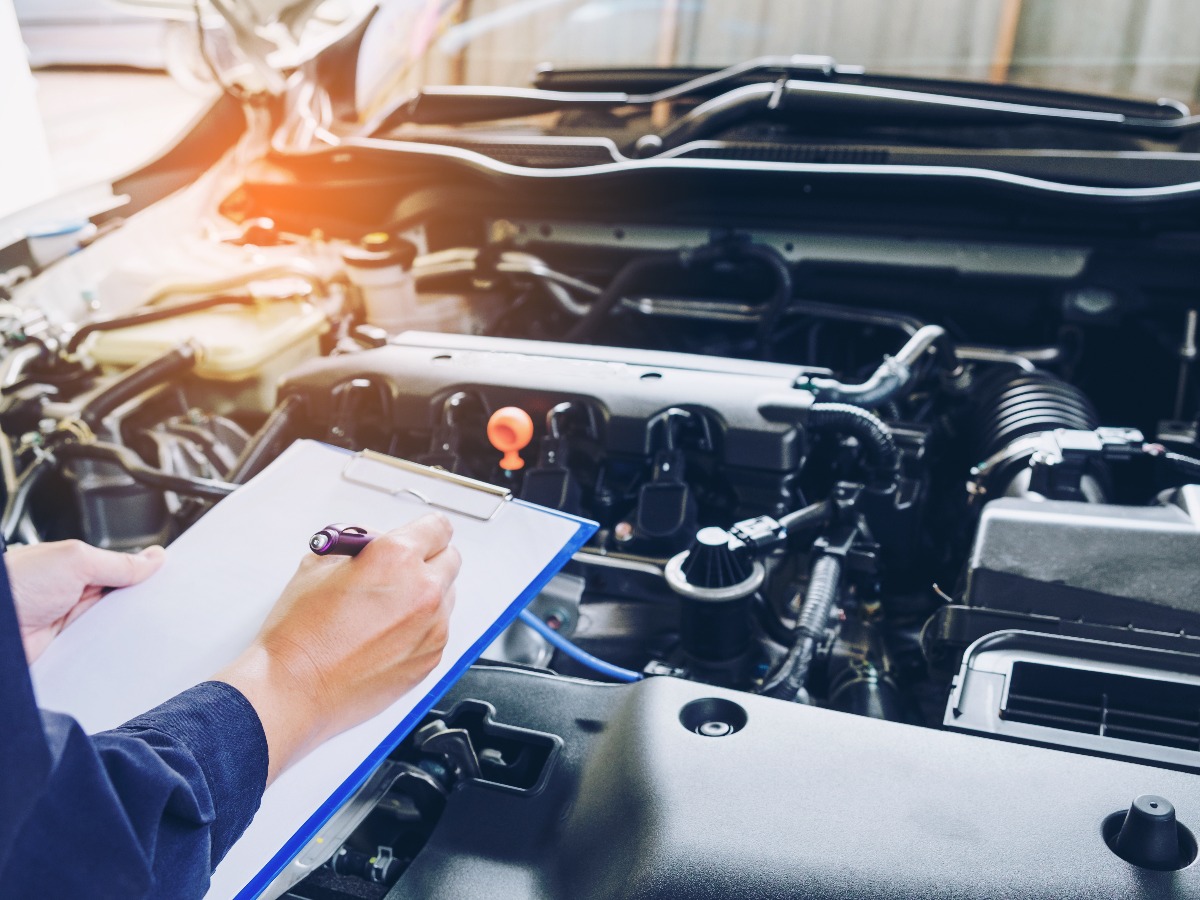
286, 701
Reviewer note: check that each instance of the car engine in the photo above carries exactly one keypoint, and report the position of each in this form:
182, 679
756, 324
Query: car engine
898, 505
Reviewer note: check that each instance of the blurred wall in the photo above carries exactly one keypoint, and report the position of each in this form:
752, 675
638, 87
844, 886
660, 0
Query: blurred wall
25, 175
1147, 48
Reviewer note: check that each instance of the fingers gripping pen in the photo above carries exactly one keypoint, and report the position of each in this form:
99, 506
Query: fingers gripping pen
348, 540
340, 540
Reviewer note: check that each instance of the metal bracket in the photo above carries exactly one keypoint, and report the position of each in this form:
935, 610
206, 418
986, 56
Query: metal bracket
452, 743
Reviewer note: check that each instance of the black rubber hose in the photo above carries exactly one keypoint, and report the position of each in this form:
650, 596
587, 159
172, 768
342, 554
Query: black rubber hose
813, 514
49, 380
775, 629
883, 458
824, 583
15, 503
604, 304
779, 300
155, 314
260, 450
1187, 463
619, 286
140, 378
126, 459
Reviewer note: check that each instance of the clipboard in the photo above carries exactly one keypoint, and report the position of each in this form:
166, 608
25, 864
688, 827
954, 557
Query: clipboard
201, 616
480, 501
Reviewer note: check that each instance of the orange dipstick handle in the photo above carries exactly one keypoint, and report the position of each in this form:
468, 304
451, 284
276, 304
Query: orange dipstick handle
510, 430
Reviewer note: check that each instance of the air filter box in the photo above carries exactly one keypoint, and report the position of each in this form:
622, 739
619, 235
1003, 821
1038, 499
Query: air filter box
1120, 566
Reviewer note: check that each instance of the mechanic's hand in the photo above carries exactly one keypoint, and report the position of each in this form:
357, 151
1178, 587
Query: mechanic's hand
54, 584
348, 636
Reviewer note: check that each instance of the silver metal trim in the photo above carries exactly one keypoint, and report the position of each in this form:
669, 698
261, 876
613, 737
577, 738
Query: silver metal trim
679, 583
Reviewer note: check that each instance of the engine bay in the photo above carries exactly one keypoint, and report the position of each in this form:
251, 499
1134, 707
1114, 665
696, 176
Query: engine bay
860, 483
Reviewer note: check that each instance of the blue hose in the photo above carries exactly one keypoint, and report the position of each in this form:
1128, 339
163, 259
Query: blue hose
579, 655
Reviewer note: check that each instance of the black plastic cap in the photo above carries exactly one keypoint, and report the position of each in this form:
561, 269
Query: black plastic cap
712, 562
1149, 836
664, 510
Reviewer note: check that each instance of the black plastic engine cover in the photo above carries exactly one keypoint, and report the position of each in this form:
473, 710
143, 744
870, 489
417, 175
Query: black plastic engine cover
751, 406
799, 803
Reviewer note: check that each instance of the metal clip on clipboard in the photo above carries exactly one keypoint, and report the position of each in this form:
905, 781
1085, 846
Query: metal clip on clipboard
438, 488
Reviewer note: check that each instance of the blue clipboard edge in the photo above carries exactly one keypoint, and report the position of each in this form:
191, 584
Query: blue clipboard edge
260, 882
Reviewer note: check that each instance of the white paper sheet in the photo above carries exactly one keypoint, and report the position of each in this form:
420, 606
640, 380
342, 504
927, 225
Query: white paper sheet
144, 644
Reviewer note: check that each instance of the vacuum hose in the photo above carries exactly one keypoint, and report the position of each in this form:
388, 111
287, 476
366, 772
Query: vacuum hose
617, 288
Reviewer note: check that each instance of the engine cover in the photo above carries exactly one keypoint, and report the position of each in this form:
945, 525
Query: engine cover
797, 802
752, 407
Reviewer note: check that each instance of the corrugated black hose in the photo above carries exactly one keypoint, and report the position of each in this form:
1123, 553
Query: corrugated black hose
824, 585
883, 458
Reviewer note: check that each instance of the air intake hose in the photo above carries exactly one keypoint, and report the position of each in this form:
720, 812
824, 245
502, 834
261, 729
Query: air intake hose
1029, 403
1015, 410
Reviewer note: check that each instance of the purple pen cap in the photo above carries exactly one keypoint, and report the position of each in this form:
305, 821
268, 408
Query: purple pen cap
332, 539
321, 541
328, 537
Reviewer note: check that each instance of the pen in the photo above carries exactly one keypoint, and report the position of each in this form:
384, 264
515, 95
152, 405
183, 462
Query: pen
348, 540
340, 540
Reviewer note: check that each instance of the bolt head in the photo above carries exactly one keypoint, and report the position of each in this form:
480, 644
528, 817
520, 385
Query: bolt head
715, 729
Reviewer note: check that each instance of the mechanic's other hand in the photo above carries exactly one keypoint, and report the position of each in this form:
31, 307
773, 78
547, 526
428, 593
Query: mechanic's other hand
348, 636
54, 584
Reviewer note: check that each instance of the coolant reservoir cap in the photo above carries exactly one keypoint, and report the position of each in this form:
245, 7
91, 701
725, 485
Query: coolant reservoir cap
380, 249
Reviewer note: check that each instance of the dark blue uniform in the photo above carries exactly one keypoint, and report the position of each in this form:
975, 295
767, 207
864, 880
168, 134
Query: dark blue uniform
145, 810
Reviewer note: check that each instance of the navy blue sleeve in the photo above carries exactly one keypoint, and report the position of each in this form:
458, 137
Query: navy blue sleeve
144, 810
